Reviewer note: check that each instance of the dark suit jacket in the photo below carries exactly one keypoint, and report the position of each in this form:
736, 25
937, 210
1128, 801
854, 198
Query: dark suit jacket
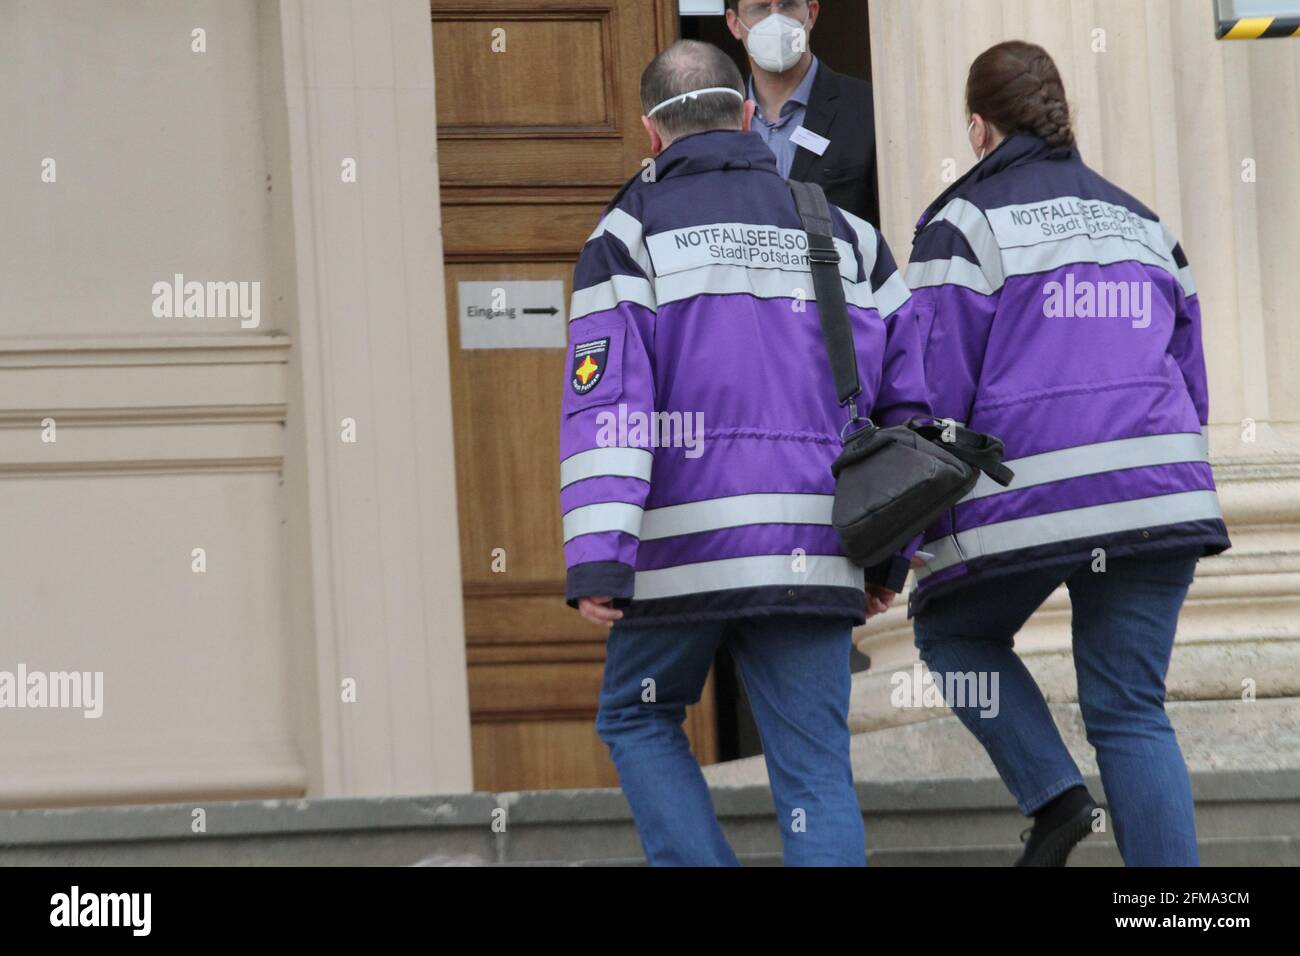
840, 108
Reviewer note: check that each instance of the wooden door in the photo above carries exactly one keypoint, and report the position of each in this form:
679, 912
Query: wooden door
538, 125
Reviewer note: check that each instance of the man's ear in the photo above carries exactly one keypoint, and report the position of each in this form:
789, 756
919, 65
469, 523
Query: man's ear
747, 115
814, 8
656, 141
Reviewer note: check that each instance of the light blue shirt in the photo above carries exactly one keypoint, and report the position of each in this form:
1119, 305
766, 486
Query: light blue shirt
777, 134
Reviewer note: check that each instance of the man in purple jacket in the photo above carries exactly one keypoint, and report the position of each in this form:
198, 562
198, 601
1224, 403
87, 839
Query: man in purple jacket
699, 425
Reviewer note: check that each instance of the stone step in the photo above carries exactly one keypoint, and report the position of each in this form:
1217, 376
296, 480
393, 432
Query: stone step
1244, 818
930, 744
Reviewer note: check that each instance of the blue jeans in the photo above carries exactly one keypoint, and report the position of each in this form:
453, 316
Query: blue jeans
796, 672
1123, 633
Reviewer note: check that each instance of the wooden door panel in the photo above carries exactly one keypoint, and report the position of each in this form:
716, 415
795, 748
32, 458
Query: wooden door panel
543, 164
517, 91
496, 228
538, 125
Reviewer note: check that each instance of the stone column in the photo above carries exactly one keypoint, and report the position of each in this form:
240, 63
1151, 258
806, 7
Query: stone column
374, 543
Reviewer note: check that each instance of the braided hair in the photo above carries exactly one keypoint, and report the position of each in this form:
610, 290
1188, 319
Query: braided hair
1016, 87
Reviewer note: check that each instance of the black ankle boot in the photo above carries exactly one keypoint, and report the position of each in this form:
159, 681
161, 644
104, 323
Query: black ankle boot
1058, 825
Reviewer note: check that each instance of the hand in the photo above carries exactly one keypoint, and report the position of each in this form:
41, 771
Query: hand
599, 610
879, 599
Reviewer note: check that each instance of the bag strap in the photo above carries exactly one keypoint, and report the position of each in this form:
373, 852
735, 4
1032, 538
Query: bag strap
975, 448
823, 261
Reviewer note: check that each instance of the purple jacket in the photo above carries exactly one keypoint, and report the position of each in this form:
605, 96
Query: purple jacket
1059, 314
699, 417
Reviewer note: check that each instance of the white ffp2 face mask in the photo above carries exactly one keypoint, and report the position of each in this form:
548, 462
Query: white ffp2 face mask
771, 42
692, 94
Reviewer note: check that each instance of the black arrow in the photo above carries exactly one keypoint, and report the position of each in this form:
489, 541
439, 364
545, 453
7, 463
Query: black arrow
551, 311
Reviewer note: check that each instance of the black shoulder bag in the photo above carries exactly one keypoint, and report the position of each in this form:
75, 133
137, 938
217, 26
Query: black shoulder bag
890, 483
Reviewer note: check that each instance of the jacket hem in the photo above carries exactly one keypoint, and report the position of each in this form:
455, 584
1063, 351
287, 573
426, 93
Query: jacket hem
741, 603
1205, 538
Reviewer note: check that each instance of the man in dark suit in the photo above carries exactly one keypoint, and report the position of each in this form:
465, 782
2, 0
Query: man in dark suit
821, 127
820, 124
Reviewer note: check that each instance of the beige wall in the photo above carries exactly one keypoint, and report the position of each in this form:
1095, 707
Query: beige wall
161, 159
326, 561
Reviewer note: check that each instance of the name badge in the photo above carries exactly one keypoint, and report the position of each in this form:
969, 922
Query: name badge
809, 140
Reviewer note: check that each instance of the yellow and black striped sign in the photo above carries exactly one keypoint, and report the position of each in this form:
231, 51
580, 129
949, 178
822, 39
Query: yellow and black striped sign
1258, 28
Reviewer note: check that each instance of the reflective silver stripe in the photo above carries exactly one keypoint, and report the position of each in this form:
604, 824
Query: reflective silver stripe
1093, 459
604, 296
607, 516
1183, 273
974, 225
762, 283
954, 271
629, 231
768, 570
945, 555
1087, 522
607, 462
868, 245
894, 291
891, 295
736, 511
1081, 250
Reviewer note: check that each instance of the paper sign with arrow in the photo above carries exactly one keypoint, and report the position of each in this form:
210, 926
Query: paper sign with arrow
512, 314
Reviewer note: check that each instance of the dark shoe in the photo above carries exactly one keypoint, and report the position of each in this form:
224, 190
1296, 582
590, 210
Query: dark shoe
1058, 828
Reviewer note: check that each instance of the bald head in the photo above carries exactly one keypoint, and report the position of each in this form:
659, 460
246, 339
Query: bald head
691, 65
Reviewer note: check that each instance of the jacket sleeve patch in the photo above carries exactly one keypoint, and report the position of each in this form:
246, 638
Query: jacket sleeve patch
595, 369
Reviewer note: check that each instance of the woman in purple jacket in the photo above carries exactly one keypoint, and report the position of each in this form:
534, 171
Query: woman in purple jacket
1059, 314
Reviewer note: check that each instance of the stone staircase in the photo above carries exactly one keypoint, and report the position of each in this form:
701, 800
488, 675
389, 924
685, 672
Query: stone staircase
1250, 819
